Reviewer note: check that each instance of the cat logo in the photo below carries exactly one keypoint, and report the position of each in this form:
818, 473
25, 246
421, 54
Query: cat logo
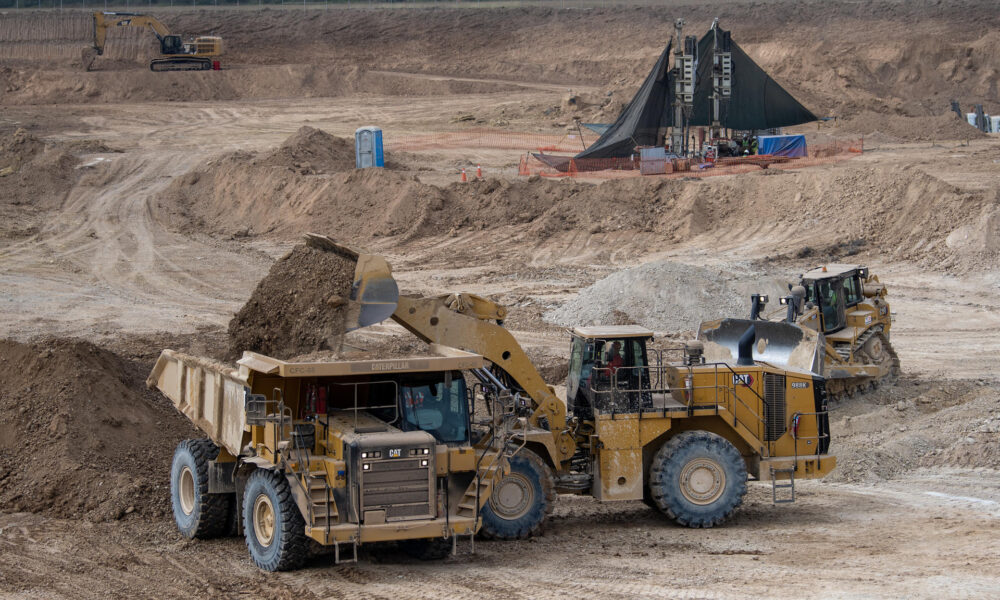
743, 379
395, 452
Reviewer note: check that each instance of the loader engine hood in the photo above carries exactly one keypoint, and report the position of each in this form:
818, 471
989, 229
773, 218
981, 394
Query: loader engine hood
784, 345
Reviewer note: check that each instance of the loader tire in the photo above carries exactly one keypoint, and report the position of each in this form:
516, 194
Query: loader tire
432, 549
197, 513
698, 479
272, 524
521, 501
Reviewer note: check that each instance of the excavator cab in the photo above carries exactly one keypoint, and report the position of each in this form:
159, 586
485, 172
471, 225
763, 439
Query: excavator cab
834, 289
608, 370
172, 44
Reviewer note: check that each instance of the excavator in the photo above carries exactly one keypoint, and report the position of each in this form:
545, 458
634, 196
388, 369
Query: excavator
177, 54
683, 436
839, 309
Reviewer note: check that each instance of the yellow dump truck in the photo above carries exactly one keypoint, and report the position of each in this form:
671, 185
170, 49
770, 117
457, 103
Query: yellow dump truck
336, 452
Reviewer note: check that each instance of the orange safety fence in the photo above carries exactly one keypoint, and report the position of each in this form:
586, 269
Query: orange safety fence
488, 138
551, 165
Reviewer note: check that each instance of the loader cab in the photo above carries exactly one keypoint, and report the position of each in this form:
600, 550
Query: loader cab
608, 370
834, 289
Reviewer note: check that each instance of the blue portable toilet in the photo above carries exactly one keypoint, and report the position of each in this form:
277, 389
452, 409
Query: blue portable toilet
368, 148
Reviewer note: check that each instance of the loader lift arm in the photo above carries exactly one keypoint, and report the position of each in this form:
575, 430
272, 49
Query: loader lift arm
469, 322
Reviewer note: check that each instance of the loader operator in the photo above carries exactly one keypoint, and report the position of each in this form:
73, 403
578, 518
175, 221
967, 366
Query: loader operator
615, 360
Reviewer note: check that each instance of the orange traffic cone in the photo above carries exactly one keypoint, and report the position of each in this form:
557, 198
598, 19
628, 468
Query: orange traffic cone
479, 172
464, 178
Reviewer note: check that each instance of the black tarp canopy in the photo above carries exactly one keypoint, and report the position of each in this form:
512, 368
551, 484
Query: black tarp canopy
640, 122
757, 102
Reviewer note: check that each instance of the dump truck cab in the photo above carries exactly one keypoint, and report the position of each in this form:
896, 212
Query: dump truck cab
349, 451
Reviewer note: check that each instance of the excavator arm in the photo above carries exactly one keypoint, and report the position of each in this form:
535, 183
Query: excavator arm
103, 20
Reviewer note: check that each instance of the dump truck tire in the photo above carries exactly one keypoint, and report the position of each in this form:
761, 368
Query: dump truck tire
433, 549
698, 479
521, 501
197, 513
272, 524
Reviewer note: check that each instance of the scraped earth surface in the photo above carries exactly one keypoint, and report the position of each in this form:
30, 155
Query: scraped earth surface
140, 211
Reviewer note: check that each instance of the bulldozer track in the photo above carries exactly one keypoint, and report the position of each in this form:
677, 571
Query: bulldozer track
851, 386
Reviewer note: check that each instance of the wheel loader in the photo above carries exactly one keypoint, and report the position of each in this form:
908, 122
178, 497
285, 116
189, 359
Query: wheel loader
177, 55
839, 309
684, 436
335, 453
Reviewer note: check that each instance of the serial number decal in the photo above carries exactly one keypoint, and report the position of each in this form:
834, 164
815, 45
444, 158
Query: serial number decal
799, 385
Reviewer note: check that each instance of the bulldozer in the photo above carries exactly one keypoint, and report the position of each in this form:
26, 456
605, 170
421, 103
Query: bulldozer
684, 435
197, 54
835, 322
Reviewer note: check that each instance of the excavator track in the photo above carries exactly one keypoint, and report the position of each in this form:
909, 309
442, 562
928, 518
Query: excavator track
850, 386
180, 64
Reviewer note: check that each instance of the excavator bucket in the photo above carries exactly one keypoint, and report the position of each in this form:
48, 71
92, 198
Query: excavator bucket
87, 57
374, 293
781, 344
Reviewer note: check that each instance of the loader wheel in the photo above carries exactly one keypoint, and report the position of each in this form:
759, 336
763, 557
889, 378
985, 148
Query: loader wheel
520, 501
197, 513
698, 479
272, 524
432, 549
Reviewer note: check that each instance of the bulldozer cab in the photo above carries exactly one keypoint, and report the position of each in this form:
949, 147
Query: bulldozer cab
608, 370
834, 289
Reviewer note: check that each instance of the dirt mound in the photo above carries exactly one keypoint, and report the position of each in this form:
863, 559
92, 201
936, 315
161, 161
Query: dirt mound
914, 424
33, 172
312, 151
665, 296
80, 434
297, 308
898, 128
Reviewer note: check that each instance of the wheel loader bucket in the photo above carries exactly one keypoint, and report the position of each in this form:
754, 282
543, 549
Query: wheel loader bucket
784, 345
374, 293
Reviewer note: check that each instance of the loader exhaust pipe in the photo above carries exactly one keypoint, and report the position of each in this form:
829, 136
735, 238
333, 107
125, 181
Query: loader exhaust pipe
745, 346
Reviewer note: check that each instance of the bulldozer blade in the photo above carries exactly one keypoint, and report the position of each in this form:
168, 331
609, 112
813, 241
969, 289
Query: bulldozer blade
784, 345
374, 293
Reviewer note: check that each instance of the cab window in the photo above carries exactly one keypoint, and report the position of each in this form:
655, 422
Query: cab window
852, 291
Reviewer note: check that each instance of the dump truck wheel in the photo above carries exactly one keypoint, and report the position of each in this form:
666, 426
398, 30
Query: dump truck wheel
197, 513
433, 549
698, 479
272, 524
520, 501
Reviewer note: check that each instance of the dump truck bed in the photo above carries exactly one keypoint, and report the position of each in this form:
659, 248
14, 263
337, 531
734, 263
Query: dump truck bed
208, 393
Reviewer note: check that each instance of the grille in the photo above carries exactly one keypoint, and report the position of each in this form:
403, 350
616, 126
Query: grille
774, 406
402, 487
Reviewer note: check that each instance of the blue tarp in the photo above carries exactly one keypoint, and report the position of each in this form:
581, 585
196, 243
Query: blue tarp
598, 128
782, 145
